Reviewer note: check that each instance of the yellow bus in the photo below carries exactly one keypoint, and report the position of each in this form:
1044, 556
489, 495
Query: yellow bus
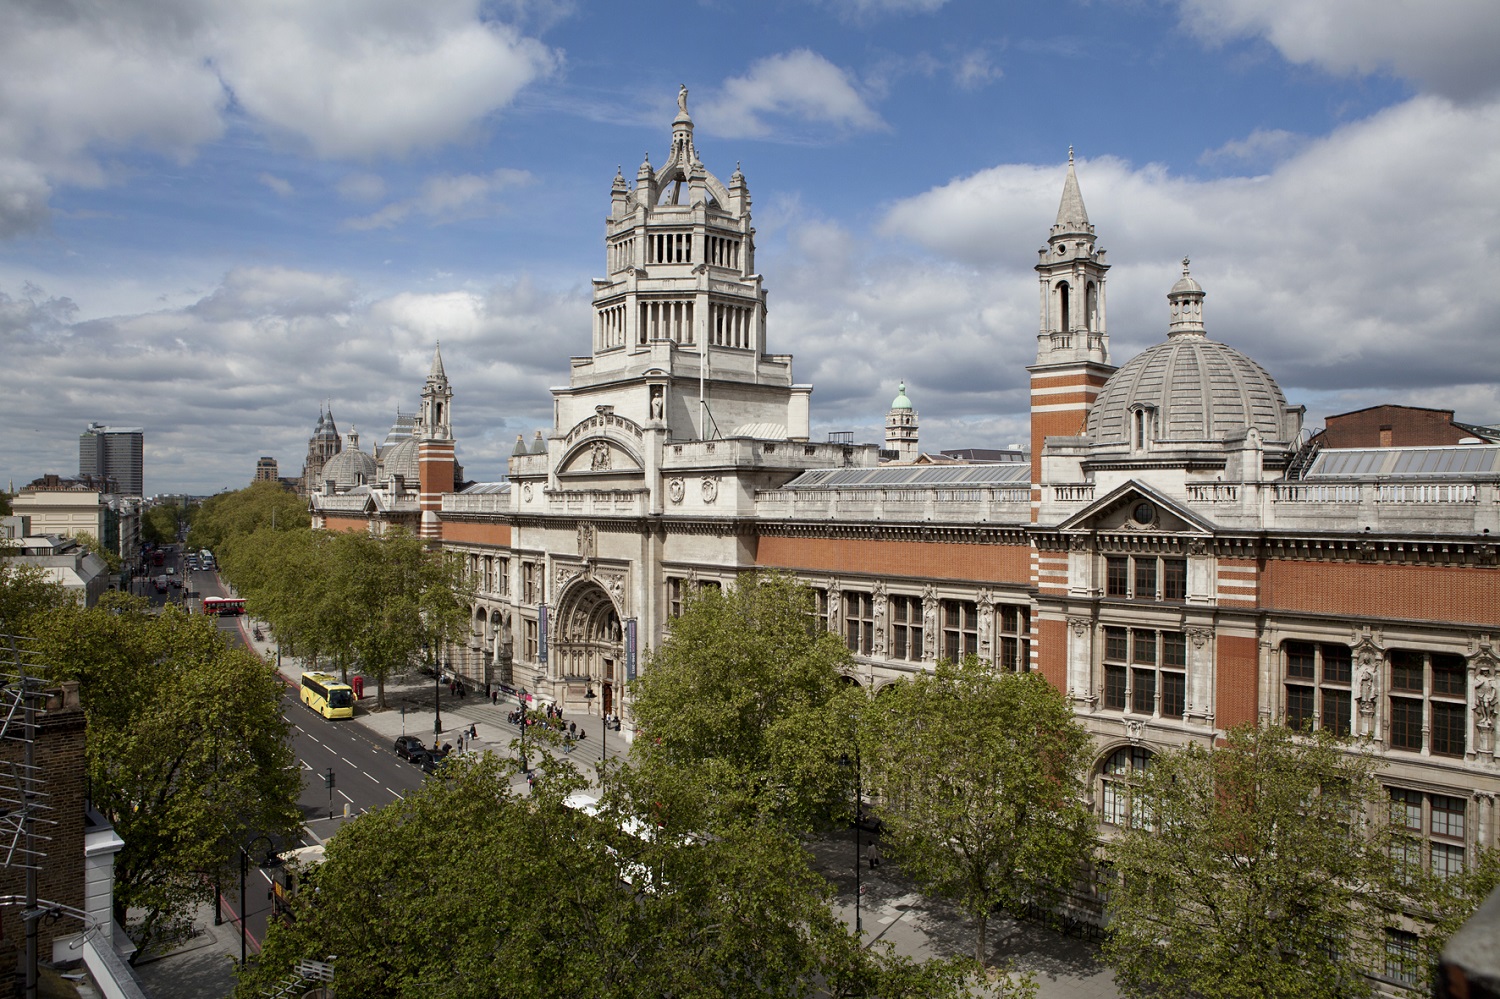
326, 695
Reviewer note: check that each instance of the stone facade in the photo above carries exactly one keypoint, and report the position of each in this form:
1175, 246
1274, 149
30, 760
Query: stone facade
1174, 558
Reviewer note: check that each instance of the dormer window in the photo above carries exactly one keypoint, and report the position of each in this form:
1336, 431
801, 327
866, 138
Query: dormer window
1142, 427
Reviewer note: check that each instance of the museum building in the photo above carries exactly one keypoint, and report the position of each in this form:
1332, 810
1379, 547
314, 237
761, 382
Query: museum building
1176, 556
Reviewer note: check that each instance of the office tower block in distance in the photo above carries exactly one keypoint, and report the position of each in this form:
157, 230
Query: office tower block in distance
114, 452
266, 470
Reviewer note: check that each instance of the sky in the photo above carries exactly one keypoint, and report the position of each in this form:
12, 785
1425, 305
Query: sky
219, 216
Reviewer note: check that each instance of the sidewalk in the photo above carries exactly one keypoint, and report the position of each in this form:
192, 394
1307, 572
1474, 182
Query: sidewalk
892, 910
413, 702
201, 968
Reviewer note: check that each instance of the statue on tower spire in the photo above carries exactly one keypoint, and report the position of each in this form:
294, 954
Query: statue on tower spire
682, 99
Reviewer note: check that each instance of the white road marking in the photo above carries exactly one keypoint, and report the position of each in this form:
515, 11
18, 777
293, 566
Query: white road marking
345, 796
397, 794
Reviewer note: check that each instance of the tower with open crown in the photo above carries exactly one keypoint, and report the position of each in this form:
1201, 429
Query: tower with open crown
1072, 346
435, 454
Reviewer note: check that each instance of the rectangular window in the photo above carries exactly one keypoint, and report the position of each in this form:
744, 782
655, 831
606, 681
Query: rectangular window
1406, 723
674, 596
906, 628
1117, 576
1402, 956
502, 572
1013, 649
1114, 688
859, 621
530, 583
960, 629
1145, 577
1173, 694
1116, 644
531, 641
1442, 817
1317, 690
1174, 579
817, 614
1143, 691
1429, 689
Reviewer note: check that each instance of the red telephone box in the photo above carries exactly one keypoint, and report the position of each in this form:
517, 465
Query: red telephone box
358, 683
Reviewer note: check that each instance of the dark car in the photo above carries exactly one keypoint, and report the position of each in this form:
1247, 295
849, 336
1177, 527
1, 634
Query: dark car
427, 760
406, 745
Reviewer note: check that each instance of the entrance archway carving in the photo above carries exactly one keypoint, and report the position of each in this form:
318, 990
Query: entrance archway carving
589, 642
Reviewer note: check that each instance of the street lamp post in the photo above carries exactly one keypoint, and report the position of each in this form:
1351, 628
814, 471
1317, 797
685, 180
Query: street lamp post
588, 695
437, 701
521, 696
244, 864
859, 800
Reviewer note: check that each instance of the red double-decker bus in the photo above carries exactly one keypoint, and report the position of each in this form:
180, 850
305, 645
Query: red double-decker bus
223, 606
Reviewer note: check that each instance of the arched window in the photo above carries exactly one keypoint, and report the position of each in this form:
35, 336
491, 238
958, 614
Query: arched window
1091, 307
1064, 316
1117, 779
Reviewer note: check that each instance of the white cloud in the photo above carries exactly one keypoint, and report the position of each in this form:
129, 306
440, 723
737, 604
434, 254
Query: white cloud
1262, 146
82, 81
446, 198
355, 79
1358, 268
360, 187
1446, 46
864, 10
243, 371
280, 185
799, 86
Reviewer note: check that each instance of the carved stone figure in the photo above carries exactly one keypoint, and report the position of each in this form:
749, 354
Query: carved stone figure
877, 645
710, 489
675, 490
682, 100
929, 623
586, 544
1484, 714
986, 623
656, 403
601, 457
834, 621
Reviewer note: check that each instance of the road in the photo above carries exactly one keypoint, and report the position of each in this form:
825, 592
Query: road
367, 774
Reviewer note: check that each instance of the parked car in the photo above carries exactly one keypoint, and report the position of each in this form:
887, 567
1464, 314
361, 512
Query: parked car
406, 745
427, 760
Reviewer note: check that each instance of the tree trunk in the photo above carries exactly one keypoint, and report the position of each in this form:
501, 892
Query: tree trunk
979, 943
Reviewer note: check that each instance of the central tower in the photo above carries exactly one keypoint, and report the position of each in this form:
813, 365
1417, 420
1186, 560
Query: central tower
679, 328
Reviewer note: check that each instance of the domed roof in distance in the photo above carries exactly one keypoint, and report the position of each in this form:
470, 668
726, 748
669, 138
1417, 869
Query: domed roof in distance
348, 468
400, 459
1198, 389
1202, 390
901, 401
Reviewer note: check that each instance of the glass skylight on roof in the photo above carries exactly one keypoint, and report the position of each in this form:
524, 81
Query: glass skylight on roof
1458, 461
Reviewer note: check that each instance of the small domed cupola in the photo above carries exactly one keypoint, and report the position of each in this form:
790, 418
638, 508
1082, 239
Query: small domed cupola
901, 401
1186, 298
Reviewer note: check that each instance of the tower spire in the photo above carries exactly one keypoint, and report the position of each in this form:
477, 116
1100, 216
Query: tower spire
1072, 217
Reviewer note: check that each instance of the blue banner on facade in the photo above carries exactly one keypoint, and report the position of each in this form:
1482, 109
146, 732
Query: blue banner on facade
629, 650
541, 633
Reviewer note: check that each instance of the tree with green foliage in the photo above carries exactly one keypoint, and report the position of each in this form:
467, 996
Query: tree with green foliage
160, 523
739, 695
220, 520
357, 600
982, 777
188, 755
25, 593
464, 890
1255, 869
90, 543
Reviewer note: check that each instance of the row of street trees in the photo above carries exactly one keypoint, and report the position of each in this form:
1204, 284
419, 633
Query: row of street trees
352, 600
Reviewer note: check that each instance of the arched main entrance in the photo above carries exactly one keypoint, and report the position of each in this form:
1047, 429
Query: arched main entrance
589, 645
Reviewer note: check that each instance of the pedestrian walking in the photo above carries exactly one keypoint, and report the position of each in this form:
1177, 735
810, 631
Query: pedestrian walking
473, 731
572, 728
872, 854
495, 698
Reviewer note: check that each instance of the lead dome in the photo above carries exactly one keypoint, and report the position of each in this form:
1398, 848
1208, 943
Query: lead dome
1191, 388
